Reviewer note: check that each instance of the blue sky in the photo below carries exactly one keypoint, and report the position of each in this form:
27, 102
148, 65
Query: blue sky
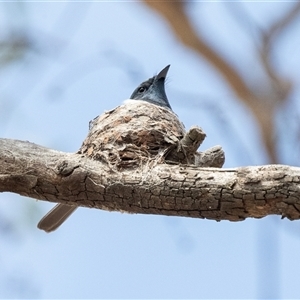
88, 57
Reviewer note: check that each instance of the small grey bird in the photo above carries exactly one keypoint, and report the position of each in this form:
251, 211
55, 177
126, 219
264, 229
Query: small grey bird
152, 91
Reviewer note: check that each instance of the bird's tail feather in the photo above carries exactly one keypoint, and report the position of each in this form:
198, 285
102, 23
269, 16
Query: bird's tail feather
55, 217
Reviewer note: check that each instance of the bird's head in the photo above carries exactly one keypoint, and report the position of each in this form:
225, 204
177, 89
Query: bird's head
153, 90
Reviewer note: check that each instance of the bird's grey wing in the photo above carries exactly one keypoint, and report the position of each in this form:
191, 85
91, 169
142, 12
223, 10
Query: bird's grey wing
55, 217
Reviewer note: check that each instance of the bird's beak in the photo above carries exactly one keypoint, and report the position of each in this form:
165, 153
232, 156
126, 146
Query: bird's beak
163, 73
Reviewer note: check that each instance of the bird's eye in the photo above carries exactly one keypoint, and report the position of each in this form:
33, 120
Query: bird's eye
142, 89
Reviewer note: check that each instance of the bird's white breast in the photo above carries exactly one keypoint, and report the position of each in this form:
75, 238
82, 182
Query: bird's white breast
134, 102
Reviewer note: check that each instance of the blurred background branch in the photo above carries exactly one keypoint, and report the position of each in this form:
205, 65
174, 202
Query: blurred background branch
275, 90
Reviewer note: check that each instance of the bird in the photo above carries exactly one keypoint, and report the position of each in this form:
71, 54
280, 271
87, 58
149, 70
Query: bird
151, 91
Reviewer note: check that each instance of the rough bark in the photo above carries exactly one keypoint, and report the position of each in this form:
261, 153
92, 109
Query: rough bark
178, 190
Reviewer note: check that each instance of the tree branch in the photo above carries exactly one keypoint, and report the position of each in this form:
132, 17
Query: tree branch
219, 194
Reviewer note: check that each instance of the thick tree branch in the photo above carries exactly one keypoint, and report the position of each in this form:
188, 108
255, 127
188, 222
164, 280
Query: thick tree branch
219, 194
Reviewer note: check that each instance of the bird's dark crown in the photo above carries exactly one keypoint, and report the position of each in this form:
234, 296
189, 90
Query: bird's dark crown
153, 90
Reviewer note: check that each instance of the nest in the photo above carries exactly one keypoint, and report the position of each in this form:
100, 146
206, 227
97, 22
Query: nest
132, 134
